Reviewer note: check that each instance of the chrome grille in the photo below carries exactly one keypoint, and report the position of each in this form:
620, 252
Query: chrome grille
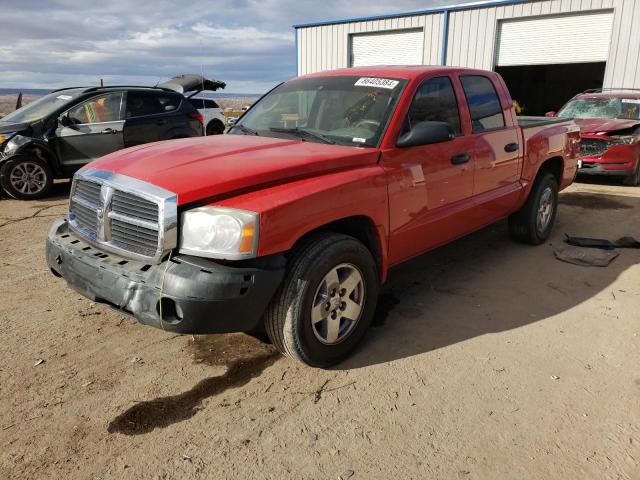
134, 238
123, 215
88, 191
85, 216
132, 206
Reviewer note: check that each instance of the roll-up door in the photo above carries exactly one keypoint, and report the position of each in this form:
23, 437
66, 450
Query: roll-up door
576, 38
387, 48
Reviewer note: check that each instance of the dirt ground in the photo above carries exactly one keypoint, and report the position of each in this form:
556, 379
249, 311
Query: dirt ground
489, 360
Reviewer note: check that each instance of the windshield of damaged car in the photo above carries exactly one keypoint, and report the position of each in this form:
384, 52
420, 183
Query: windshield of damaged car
349, 110
40, 108
625, 108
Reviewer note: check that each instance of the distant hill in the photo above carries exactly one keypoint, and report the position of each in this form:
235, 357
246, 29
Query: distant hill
26, 91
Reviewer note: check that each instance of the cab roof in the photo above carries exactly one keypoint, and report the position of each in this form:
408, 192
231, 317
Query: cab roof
407, 72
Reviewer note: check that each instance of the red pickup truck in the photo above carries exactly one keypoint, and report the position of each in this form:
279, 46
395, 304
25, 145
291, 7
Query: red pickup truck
290, 222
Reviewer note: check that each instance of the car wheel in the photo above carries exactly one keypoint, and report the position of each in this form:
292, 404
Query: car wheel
326, 302
534, 221
633, 180
26, 178
215, 127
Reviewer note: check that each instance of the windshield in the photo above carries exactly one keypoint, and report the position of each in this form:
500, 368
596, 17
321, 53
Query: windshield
625, 108
40, 108
345, 110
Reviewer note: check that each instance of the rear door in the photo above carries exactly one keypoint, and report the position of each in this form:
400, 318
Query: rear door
96, 129
430, 186
496, 147
152, 116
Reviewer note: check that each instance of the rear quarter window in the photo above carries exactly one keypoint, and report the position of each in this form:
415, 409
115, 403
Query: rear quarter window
483, 101
140, 104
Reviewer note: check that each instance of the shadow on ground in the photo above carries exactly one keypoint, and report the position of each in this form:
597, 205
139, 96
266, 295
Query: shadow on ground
485, 283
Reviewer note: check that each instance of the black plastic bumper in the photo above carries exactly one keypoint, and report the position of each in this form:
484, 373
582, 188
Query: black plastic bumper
198, 296
597, 169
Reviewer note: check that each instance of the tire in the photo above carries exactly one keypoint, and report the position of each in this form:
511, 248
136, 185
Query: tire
215, 127
633, 180
38, 175
289, 317
533, 223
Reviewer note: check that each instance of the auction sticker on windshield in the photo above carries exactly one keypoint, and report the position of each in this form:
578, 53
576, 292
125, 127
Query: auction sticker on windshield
377, 82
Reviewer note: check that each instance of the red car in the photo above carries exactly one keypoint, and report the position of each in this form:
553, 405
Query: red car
291, 222
610, 130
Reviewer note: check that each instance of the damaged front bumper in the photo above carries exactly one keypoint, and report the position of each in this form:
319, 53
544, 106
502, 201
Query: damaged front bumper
194, 295
594, 168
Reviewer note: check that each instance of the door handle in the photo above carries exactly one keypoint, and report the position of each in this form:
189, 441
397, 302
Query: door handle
161, 122
108, 131
511, 147
460, 159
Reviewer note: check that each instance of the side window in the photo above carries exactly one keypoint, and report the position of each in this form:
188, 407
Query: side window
169, 102
435, 101
484, 105
141, 103
104, 108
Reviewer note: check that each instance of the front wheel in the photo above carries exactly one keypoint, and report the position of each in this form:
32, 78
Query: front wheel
534, 221
326, 302
26, 178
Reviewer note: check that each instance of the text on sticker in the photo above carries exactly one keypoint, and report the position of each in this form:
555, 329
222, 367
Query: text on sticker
377, 82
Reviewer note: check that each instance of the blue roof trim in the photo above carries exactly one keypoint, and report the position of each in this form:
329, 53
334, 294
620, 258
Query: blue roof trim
451, 8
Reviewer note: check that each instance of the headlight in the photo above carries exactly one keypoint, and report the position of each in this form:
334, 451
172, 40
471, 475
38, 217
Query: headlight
625, 138
218, 232
6, 136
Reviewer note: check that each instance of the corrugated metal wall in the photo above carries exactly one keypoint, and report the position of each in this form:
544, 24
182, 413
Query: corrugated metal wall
473, 34
327, 47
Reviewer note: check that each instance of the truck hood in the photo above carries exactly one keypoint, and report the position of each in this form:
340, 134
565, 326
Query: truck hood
595, 125
207, 167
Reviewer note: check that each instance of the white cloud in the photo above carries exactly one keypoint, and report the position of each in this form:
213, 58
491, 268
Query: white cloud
247, 43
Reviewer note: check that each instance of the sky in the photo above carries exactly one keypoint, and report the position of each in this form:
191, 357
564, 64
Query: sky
247, 43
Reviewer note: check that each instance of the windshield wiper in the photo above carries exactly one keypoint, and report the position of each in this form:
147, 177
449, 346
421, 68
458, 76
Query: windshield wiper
301, 132
243, 129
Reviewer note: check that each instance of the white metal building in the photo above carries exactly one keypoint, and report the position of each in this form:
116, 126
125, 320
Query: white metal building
547, 50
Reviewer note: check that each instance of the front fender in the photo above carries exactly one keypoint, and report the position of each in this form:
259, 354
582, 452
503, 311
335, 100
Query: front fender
291, 210
20, 144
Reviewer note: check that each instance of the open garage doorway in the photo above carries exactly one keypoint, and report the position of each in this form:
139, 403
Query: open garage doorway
542, 88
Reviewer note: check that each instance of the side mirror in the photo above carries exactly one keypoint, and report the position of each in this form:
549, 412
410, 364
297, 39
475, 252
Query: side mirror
426, 133
65, 121
550, 114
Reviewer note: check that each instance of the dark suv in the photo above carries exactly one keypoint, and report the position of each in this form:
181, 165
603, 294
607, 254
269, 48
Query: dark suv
57, 134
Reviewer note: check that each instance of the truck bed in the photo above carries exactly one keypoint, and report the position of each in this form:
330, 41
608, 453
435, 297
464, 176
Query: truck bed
529, 122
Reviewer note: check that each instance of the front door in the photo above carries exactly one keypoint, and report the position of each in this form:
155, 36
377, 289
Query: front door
430, 186
94, 129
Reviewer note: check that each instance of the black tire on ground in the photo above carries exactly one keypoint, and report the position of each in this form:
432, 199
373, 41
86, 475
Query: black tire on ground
288, 319
524, 225
633, 180
215, 127
37, 175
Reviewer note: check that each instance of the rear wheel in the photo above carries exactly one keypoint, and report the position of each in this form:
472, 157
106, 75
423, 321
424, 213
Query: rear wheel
534, 221
215, 127
326, 302
633, 180
26, 178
